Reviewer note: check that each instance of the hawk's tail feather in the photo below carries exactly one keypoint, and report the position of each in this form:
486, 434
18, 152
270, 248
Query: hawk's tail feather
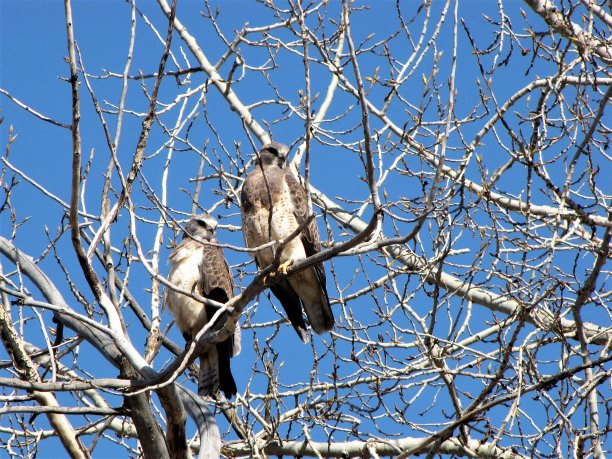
326, 313
327, 324
208, 376
293, 307
215, 374
226, 380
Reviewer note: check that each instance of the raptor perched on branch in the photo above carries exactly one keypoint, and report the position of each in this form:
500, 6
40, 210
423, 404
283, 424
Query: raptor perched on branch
274, 205
201, 268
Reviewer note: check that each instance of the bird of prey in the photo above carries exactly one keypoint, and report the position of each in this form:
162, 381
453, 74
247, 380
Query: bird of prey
201, 269
271, 188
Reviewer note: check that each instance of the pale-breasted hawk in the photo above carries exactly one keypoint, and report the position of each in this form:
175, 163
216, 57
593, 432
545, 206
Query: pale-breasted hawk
201, 268
271, 187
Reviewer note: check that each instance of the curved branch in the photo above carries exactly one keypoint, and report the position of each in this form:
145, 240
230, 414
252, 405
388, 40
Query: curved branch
477, 295
217, 80
210, 437
29, 372
561, 24
458, 287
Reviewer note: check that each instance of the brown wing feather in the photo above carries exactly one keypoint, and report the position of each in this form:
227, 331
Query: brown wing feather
310, 234
215, 277
319, 311
217, 283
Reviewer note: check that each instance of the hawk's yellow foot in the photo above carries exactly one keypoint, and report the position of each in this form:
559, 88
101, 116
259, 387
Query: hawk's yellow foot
282, 268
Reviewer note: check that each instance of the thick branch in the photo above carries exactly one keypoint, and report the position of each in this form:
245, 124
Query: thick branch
561, 24
371, 448
28, 371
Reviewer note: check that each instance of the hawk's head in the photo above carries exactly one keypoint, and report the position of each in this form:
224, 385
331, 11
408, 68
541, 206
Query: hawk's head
201, 226
274, 154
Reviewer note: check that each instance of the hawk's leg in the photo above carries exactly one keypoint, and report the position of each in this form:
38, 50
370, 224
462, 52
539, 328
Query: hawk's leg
282, 269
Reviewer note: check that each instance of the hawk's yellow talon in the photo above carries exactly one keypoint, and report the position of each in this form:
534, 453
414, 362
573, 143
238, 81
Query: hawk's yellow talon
282, 268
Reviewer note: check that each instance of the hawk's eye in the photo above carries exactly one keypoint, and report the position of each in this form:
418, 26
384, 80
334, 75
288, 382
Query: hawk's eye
273, 150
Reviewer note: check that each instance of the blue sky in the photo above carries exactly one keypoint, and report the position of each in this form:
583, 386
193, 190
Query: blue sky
33, 69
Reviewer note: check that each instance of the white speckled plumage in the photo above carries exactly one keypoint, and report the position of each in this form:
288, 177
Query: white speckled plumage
201, 269
185, 274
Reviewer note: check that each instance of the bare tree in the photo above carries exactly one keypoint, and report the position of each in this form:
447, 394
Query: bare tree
457, 164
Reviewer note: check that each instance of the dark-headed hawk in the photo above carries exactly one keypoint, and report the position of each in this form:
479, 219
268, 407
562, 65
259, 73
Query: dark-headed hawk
201, 268
272, 188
